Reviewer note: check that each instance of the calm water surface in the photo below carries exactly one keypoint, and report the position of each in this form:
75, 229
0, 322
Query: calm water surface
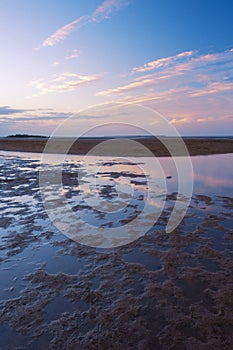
56, 278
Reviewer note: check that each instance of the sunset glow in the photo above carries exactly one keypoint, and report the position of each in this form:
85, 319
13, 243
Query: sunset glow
60, 58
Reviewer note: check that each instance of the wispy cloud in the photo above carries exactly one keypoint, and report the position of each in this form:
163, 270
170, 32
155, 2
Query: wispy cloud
104, 11
72, 55
137, 84
202, 75
16, 114
214, 88
27, 121
62, 82
35, 118
186, 88
162, 62
7, 110
56, 63
69, 56
61, 33
166, 69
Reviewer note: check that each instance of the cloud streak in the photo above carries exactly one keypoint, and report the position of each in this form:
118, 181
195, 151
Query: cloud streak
61, 33
62, 82
201, 75
102, 12
14, 114
70, 56
187, 88
214, 88
162, 62
106, 9
27, 121
7, 110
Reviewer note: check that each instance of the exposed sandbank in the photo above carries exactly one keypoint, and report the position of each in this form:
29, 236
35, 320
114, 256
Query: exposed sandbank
195, 146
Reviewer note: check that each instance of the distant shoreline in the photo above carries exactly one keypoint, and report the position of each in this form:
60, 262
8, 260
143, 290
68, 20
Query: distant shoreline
195, 145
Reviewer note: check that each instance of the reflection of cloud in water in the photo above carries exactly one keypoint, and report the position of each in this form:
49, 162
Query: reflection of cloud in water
109, 203
174, 289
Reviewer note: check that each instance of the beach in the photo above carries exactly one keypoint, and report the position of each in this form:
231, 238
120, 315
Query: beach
161, 291
195, 146
116, 175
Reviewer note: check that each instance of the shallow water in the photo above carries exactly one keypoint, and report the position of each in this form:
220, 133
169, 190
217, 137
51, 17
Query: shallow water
161, 291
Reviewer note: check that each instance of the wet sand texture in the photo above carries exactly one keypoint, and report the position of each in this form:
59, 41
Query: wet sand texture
163, 291
82, 146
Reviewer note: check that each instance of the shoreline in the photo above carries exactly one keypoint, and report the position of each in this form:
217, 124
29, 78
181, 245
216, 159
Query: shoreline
195, 146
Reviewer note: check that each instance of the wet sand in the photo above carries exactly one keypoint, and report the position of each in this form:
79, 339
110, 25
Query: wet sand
195, 146
163, 291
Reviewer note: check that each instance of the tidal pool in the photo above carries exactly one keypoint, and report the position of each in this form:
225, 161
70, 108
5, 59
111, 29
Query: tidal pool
160, 291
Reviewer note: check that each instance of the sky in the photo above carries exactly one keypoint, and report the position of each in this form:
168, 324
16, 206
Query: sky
60, 57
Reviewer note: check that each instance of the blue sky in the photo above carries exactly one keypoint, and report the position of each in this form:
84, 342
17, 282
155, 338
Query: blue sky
59, 57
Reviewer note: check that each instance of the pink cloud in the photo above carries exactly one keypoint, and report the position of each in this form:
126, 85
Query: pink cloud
102, 12
124, 88
106, 8
62, 82
214, 88
197, 91
162, 62
174, 72
63, 32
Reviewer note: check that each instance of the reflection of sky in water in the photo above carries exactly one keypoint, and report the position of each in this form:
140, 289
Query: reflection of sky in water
113, 197
111, 192
212, 174
28, 240
114, 192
